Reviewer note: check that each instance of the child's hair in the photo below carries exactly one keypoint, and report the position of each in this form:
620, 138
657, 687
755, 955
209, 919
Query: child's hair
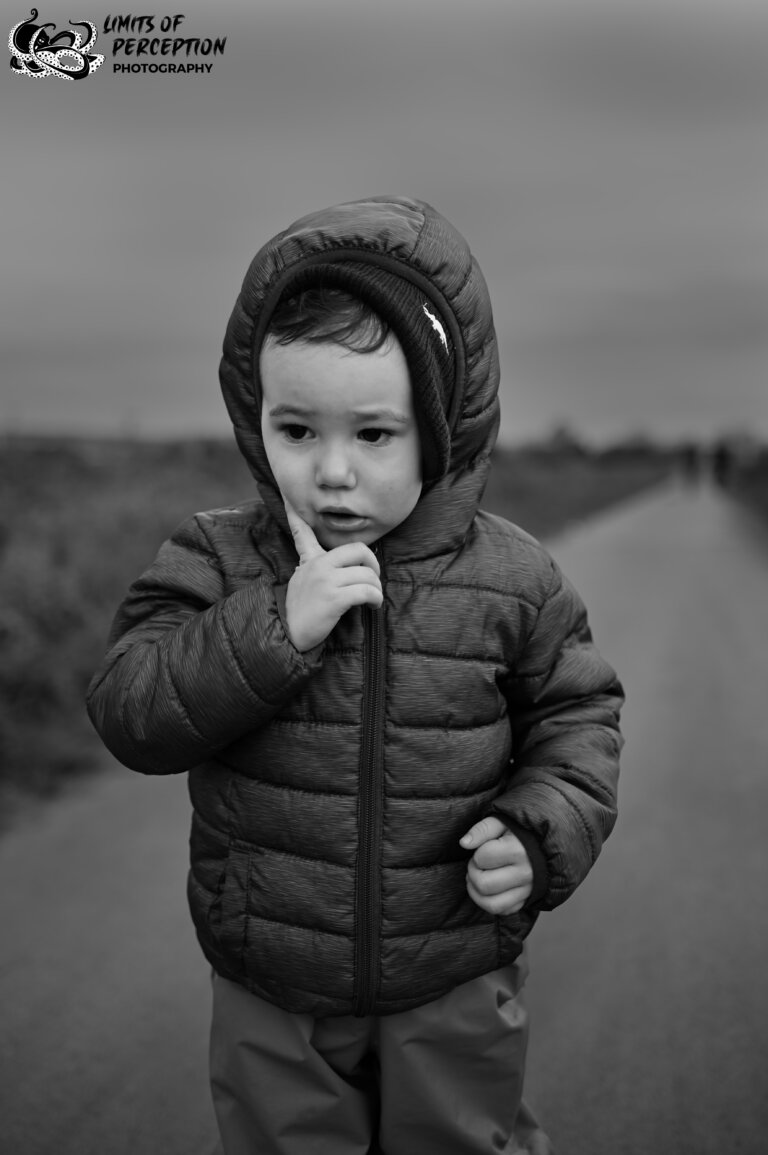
325, 314
333, 311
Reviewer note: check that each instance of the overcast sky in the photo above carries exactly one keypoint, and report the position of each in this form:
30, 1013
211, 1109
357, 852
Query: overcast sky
608, 164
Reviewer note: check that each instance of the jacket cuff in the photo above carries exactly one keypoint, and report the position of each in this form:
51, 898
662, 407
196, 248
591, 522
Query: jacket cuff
536, 856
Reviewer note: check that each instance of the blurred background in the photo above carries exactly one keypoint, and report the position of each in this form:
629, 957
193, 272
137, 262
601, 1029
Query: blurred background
606, 160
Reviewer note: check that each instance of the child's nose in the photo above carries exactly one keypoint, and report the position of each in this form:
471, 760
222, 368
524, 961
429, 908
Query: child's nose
334, 469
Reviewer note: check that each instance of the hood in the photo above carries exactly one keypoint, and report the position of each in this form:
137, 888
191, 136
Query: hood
412, 240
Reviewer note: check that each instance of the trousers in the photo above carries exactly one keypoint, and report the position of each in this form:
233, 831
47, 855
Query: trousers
443, 1079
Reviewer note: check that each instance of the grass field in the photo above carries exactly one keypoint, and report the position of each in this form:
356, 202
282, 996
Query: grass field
79, 519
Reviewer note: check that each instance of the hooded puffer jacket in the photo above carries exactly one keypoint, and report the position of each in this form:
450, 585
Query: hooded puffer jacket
330, 789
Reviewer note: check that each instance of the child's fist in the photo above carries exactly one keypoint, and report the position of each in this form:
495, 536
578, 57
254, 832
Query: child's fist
325, 584
499, 874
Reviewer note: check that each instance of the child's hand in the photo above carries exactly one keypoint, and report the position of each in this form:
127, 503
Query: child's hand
325, 584
499, 875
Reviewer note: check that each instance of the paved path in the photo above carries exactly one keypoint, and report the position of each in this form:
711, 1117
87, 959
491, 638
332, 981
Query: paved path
105, 995
648, 990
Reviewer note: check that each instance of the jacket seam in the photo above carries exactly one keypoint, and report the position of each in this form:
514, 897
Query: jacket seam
262, 783
261, 847
414, 257
442, 655
429, 865
220, 520
452, 729
318, 723
392, 724
470, 587
212, 551
249, 847
555, 585
184, 707
443, 930
229, 644
441, 799
224, 831
467, 278
477, 354
298, 926
437, 727
597, 784
552, 592
475, 413
179, 699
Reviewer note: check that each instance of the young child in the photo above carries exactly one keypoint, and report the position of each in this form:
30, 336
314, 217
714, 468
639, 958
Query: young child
401, 742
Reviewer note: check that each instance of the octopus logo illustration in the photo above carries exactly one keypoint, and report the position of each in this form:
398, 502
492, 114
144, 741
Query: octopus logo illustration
35, 53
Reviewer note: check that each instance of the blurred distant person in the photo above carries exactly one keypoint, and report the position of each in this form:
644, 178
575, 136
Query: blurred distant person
690, 460
401, 741
722, 464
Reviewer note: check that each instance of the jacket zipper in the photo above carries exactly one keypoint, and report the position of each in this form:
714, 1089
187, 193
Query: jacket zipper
369, 813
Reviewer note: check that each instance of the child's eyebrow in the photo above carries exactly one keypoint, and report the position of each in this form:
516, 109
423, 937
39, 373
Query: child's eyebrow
285, 410
380, 415
289, 411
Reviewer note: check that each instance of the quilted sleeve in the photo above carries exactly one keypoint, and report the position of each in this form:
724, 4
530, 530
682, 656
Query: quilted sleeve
564, 703
189, 670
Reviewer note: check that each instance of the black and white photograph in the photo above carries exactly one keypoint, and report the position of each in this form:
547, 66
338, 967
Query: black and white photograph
384, 578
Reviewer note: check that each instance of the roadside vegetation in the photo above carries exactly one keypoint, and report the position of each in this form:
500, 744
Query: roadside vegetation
79, 519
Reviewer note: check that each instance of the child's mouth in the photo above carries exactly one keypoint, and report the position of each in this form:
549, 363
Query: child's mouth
342, 519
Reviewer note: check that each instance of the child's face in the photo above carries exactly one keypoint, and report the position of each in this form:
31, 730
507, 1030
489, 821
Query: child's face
341, 437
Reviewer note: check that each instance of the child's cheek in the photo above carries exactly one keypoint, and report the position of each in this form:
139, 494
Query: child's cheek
290, 482
277, 461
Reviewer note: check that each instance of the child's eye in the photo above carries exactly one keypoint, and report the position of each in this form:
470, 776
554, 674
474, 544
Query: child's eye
295, 432
375, 436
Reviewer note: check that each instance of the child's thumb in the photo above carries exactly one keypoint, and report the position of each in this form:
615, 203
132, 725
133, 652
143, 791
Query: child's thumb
483, 831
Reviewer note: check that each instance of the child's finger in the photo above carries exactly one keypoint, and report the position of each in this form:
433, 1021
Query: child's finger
507, 902
354, 553
362, 594
493, 880
503, 851
483, 831
304, 539
358, 575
